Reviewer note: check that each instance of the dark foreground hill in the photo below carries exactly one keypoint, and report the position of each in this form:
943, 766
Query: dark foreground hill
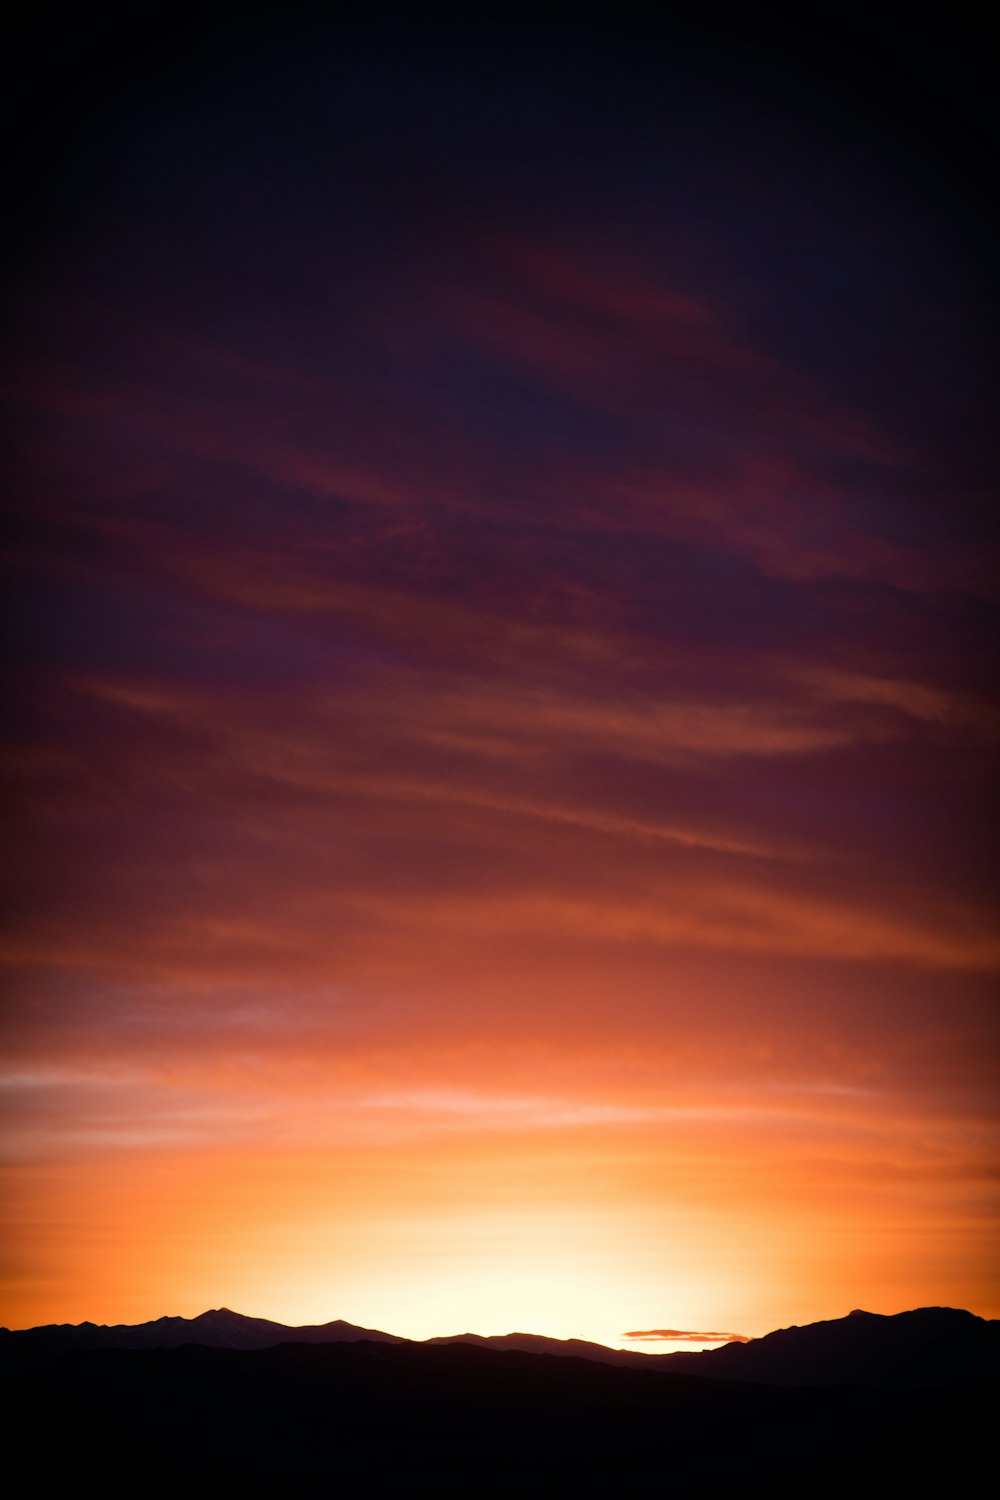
27, 1349
383, 1418
931, 1346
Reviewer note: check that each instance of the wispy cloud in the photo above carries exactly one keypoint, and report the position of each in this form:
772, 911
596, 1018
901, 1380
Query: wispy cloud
682, 1335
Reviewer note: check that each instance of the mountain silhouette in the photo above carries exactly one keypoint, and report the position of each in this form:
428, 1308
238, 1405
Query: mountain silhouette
933, 1347
536, 1343
380, 1418
34, 1348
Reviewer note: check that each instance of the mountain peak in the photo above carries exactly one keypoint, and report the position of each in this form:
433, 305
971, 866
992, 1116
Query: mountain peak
930, 1346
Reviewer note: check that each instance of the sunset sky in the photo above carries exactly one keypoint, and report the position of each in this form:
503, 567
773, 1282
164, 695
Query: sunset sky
501, 720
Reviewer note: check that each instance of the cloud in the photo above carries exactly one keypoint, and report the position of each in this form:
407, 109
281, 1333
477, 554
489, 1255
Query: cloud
680, 1335
919, 701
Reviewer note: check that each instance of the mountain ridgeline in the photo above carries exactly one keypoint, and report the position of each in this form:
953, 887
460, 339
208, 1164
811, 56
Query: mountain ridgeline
227, 1404
932, 1347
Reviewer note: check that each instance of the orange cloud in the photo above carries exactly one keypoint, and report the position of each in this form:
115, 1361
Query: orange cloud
684, 1336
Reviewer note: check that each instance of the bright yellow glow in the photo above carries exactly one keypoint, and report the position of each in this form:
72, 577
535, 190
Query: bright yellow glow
578, 1231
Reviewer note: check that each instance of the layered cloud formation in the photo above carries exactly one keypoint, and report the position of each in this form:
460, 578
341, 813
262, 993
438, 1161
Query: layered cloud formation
502, 717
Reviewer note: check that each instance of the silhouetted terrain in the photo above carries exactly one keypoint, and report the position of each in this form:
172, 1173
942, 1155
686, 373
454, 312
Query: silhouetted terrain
33, 1348
932, 1347
535, 1343
375, 1417
864, 1403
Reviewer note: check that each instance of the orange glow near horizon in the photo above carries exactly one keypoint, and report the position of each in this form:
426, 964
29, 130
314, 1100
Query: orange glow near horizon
557, 1218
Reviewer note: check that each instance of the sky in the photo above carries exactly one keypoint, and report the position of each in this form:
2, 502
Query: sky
500, 711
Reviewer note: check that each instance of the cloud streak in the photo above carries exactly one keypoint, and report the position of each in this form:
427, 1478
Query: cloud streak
680, 1335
